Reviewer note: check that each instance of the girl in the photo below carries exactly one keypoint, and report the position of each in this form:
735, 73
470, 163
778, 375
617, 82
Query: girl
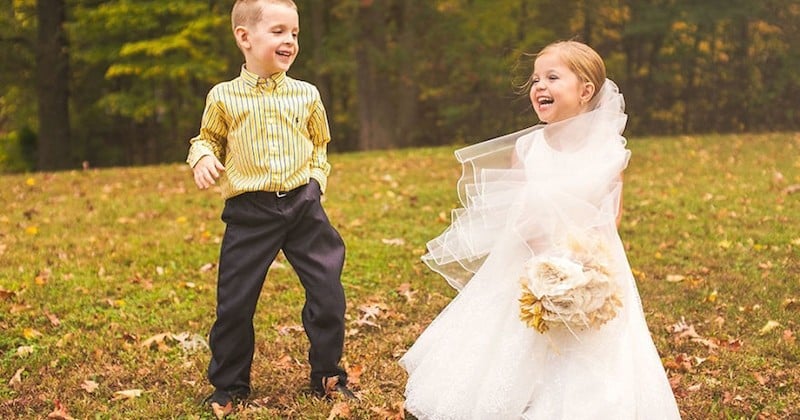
548, 322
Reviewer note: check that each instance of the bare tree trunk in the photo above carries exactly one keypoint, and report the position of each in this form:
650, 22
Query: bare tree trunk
52, 79
374, 128
319, 28
743, 70
407, 124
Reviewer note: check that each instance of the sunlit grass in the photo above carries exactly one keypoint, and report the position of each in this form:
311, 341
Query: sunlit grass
96, 262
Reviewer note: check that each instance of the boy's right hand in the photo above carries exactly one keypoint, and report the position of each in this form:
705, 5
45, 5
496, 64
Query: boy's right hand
207, 171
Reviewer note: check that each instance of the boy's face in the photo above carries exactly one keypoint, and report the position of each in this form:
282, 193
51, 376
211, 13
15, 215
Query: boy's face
271, 45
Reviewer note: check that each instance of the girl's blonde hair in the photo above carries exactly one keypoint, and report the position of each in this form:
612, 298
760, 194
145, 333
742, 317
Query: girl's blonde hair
248, 12
581, 59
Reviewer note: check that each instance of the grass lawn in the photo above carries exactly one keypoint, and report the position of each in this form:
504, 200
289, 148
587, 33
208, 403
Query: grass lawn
107, 282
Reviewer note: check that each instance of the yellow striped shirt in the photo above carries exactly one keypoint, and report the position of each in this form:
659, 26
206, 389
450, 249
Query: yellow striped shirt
271, 134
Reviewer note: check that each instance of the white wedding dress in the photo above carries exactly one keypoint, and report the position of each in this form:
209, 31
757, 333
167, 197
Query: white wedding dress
520, 194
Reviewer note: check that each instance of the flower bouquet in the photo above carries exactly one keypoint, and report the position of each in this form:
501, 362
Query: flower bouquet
573, 287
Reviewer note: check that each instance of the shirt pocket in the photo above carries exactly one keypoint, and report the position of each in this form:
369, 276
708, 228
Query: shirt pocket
297, 118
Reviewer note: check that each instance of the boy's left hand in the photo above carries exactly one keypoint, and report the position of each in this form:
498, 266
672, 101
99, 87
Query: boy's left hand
207, 171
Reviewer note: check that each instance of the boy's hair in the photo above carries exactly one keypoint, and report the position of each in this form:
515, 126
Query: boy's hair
248, 12
581, 59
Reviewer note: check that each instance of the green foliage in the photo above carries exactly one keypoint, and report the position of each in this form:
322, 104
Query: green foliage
18, 150
17, 110
157, 62
439, 71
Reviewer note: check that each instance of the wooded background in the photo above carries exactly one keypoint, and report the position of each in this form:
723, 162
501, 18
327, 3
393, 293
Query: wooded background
123, 82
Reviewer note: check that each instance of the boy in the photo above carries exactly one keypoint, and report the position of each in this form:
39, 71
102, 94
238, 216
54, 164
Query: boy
271, 132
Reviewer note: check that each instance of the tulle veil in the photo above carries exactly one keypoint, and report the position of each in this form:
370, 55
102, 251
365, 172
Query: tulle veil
497, 185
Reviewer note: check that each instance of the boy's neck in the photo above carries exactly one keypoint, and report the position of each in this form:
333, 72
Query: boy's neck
263, 74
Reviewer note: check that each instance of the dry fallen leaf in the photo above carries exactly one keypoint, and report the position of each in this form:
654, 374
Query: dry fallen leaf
394, 241
23, 351
66, 339
7, 294
362, 321
89, 386
778, 178
190, 342
675, 278
788, 337
285, 363
405, 291
760, 378
681, 363
18, 308
790, 304
683, 330
54, 321
340, 410
370, 311
59, 412
30, 333
17, 378
127, 394
769, 326
354, 374
734, 344
159, 340
288, 329
712, 297
146, 283
395, 412
329, 384
42, 277
791, 189
221, 411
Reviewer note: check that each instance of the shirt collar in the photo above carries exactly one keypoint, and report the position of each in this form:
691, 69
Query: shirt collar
270, 83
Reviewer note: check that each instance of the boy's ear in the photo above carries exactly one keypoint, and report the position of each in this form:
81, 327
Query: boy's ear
242, 37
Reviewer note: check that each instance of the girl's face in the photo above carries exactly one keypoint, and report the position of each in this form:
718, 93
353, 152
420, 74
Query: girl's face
557, 93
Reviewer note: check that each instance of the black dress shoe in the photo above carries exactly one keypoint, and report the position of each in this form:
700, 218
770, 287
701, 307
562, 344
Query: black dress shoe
223, 403
344, 391
332, 386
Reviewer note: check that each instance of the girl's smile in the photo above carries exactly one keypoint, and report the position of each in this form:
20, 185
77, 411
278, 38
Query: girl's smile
557, 93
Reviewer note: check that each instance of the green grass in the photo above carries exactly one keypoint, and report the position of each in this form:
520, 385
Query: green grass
95, 262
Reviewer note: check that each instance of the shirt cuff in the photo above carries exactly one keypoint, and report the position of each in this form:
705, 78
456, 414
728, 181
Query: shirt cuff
196, 152
320, 176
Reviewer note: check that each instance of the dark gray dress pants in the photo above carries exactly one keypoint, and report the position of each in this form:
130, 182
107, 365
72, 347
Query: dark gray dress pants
258, 225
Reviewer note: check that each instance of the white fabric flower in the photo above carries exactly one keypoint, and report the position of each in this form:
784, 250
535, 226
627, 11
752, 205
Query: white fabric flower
554, 276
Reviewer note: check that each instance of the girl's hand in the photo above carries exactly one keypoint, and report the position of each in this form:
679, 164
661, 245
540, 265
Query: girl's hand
207, 171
